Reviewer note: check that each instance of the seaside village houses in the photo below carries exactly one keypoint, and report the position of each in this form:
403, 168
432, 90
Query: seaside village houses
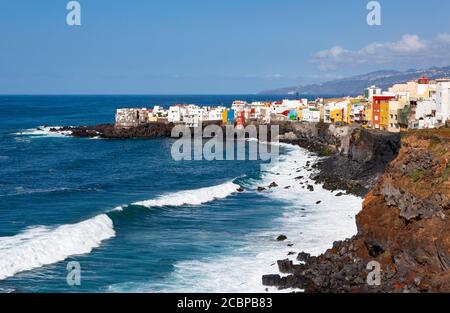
418, 104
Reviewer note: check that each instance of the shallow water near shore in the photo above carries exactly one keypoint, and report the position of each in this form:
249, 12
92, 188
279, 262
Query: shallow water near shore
136, 220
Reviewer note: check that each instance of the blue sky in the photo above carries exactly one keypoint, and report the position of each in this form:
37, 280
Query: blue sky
210, 46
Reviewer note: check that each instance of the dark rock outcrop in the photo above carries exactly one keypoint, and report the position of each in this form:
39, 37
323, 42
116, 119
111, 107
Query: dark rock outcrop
271, 280
355, 158
357, 168
150, 130
273, 185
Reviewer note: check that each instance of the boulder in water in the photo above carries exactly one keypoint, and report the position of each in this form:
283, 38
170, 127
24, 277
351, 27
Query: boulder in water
273, 185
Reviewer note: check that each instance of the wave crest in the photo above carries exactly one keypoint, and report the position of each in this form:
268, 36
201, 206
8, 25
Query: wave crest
41, 246
45, 131
189, 197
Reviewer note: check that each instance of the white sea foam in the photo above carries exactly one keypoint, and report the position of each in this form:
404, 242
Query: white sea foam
309, 226
41, 246
45, 131
189, 197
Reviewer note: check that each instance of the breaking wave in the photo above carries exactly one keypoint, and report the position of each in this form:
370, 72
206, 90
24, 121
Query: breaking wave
41, 246
44, 131
310, 226
311, 220
189, 197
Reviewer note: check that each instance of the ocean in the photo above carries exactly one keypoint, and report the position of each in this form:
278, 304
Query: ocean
137, 221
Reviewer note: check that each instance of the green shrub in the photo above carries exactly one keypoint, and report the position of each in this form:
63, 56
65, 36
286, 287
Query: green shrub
416, 175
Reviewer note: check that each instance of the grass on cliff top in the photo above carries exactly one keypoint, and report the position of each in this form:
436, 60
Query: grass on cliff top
442, 133
439, 139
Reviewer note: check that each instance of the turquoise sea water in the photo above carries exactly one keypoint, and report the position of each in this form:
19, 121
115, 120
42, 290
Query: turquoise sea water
58, 197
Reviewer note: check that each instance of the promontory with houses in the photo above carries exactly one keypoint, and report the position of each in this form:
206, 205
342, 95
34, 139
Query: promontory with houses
417, 104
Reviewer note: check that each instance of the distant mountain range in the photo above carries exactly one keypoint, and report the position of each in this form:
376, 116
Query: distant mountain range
355, 85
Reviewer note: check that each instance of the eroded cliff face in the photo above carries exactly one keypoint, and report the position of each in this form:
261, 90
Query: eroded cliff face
406, 216
404, 226
356, 157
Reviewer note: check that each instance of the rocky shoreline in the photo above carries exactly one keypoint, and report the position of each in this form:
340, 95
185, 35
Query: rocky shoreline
354, 160
403, 226
109, 131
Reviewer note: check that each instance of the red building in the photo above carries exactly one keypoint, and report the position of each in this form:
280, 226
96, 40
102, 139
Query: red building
423, 80
380, 111
240, 120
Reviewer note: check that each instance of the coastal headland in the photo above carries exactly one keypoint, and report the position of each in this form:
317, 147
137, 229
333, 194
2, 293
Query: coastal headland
403, 226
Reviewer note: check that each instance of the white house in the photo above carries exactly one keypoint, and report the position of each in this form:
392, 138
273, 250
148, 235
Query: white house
175, 114
443, 100
372, 91
292, 104
279, 107
311, 115
425, 108
357, 112
215, 114
425, 111
239, 105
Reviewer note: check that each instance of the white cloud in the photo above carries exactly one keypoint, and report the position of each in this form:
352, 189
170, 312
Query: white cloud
408, 48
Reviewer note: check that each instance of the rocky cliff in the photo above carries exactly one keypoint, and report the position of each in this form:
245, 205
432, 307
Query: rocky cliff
404, 226
355, 157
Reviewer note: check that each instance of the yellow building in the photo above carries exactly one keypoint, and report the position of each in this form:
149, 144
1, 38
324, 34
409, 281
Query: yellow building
349, 111
336, 116
368, 116
299, 114
224, 117
384, 115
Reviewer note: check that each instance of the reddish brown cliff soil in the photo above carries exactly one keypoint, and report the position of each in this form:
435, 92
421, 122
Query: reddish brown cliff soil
404, 226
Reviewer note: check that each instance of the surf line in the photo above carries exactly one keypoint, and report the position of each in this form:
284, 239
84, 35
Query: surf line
188, 197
